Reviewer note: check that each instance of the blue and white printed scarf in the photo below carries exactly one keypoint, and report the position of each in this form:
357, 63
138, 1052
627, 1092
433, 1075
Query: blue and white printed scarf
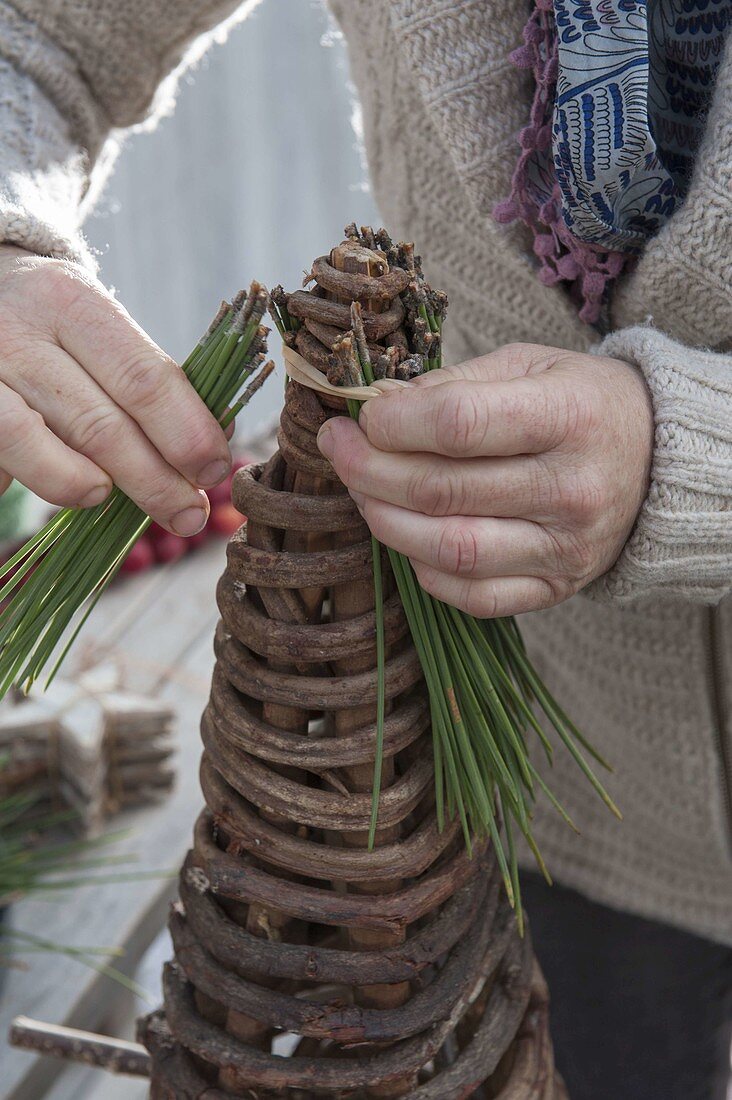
633, 89
622, 90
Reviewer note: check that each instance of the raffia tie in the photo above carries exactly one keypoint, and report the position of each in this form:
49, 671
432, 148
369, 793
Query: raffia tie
309, 376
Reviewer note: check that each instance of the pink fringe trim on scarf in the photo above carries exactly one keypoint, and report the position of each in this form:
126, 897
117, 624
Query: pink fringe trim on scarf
562, 256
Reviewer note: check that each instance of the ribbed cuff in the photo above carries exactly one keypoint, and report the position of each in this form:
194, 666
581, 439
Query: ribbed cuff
43, 174
681, 544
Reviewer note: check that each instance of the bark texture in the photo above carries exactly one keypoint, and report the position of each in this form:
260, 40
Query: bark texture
386, 973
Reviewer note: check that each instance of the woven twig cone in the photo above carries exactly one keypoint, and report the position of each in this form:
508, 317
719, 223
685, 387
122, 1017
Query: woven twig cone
385, 973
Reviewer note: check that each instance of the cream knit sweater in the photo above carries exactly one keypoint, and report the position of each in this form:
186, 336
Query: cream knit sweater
642, 660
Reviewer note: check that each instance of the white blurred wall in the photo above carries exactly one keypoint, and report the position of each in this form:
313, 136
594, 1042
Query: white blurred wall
253, 176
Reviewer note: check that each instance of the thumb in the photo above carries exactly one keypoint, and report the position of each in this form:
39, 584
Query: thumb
502, 365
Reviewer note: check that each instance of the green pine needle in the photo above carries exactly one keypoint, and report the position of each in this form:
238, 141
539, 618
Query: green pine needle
36, 861
53, 583
484, 697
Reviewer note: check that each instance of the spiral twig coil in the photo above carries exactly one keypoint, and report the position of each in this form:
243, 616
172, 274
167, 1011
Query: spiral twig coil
385, 973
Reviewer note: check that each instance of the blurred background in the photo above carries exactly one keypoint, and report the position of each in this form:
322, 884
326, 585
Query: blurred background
253, 176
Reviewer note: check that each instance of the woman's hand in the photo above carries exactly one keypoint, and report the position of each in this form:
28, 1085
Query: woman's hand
510, 481
87, 399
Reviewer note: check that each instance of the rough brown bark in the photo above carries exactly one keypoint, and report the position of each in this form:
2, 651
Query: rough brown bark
396, 972
72, 1045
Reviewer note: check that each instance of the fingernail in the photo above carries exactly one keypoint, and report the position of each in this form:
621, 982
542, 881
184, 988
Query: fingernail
358, 499
212, 474
189, 522
325, 441
96, 496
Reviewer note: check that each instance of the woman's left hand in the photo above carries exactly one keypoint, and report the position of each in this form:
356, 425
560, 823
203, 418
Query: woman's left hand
510, 481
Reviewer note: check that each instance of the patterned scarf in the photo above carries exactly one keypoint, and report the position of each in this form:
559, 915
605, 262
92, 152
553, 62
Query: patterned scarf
622, 90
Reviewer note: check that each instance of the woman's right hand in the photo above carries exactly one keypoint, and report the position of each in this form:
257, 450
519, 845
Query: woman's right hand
87, 400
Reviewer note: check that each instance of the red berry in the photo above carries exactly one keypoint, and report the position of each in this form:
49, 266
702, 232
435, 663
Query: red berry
155, 532
140, 557
220, 494
170, 547
194, 541
225, 519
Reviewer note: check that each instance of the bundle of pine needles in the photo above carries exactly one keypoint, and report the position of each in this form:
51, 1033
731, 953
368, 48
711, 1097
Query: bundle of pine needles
55, 580
483, 689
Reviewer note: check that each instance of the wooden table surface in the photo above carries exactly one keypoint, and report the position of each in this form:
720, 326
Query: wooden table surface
160, 626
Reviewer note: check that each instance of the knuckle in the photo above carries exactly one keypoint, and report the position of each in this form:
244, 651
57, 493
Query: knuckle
522, 358
161, 495
458, 549
584, 500
418, 492
36, 289
517, 351
79, 306
432, 492
200, 442
64, 285
59, 270
382, 422
98, 429
141, 378
457, 420
480, 601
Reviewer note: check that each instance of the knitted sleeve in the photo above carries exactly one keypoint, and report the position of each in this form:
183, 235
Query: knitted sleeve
73, 74
682, 541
